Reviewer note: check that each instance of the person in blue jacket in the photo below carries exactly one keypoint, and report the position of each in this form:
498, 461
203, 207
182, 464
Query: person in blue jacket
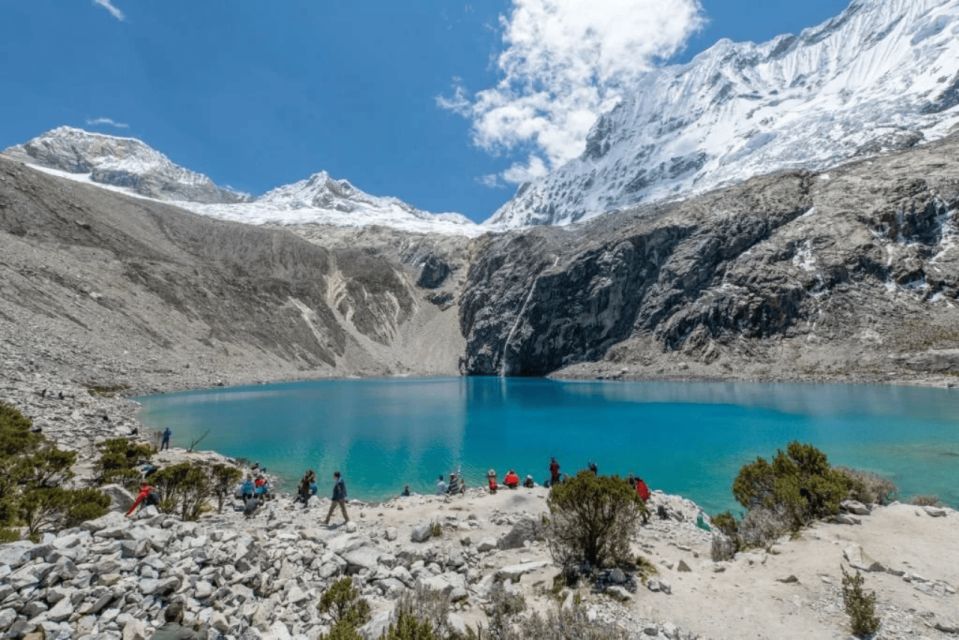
339, 498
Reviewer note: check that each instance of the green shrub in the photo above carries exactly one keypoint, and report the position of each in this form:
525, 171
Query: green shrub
726, 523
868, 487
342, 602
925, 501
223, 477
591, 520
32, 475
408, 626
501, 609
798, 482
119, 462
8, 535
107, 390
570, 623
860, 606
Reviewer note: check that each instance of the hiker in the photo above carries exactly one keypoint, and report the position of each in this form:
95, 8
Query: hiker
165, 444
441, 487
59, 395
339, 498
406, 491
592, 467
146, 498
173, 628
491, 480
511, 480
247, 489
43, 394
250, 504
303, 490
261, 488
529, 483
553, 471
642, 490
457, 484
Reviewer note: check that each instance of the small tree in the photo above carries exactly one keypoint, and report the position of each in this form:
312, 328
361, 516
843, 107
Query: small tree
591, 520
408, 626
860, 606
223, 478
342, 602
184, 488
52, 507
119, 459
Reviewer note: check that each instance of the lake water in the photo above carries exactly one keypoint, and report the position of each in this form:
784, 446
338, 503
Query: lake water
686, 438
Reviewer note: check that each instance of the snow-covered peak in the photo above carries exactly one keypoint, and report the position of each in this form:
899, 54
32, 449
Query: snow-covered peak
120, 162
131, 166
882, 75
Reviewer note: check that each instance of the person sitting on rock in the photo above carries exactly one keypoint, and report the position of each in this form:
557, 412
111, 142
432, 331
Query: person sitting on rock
406, 491
339, 498
454, 486
529, 483
146, 498
441, 487
261, 488
173, 628
491, 479
511, 480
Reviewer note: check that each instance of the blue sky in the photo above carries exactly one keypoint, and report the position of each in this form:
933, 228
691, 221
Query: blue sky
257, 94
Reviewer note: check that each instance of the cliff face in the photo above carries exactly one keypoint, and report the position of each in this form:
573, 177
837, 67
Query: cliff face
852, 273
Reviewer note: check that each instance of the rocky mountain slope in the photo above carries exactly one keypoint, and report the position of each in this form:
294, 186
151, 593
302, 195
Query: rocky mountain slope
101, 286
883, 75
130, 166
850, 274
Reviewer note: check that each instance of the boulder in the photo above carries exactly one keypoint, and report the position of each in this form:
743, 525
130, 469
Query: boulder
390, 534
682, 567
120, 499
513, 573
854, 507
363, 557
859, 559
7, 618
486, 544
526, 530
61, 610
619, 593
935, 512
422, 532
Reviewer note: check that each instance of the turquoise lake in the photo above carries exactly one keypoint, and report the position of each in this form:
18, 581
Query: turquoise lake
686, 438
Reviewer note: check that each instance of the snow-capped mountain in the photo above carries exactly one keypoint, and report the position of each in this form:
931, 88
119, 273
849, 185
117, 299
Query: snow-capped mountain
131, 166
882, 75
127, 163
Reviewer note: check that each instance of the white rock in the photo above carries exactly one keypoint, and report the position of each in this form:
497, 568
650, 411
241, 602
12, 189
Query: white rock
855, 507
391, 533
935, 512
619, 593
859, 559
422, 533
514, 572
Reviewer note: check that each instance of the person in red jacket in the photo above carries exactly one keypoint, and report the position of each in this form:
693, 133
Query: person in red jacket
553, 472
146, 497
491, 478
511, 480
642, 490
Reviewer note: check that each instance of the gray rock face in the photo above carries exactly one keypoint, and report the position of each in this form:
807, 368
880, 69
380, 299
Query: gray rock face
190, 297
854, 272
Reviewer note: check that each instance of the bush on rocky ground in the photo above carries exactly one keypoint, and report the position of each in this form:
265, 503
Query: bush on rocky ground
925, 501
32, 477
119, 462
346, 608
799, 483
566, 623
224, 478
868, 487
860, 605
186, 489
592, 519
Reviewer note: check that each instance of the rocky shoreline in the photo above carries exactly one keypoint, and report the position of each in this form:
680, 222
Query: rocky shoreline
262, 577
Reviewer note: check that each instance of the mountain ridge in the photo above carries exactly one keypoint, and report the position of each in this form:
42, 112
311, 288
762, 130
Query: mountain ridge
880, 76
134, 167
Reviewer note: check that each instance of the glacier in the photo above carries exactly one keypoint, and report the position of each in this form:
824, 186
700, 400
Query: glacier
881, 76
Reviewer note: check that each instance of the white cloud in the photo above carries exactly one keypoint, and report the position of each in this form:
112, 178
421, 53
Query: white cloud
532, 169
108, 5
564, 62
110, 122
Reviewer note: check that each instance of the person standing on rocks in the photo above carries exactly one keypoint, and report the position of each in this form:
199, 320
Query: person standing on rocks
165, 444
173, 628
553, 471
339, 498
440, 486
